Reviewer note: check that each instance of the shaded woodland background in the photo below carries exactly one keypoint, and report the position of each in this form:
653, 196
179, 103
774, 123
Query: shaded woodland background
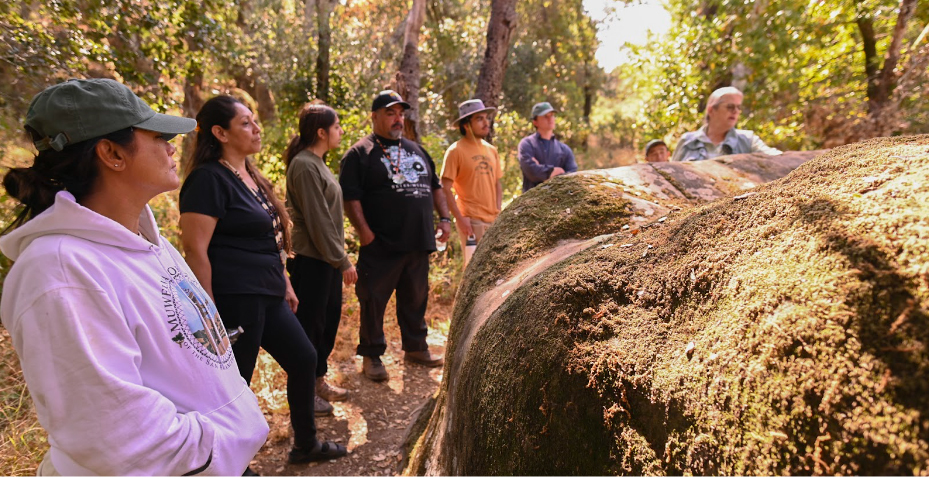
816, 73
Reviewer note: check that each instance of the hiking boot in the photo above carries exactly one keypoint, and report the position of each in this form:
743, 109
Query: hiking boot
329, 392
322, 407
424, 357
374, 369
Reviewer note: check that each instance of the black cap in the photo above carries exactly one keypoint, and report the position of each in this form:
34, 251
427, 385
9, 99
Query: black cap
388, 98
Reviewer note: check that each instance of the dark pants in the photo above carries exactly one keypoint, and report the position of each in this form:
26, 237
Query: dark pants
380, 273
269, 323
319, 289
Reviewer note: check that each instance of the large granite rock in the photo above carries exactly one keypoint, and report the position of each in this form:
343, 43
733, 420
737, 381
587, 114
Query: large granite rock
608, 326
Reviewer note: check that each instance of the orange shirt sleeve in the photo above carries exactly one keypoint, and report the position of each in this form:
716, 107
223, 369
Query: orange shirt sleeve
450, 164
498, 168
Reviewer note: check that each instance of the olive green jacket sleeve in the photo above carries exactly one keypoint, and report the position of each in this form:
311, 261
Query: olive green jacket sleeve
315, 201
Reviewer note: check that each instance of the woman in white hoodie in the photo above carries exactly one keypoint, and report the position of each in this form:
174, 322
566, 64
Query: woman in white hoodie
124, 353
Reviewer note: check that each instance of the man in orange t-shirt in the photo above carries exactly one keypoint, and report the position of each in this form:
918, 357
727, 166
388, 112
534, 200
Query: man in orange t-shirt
471, 173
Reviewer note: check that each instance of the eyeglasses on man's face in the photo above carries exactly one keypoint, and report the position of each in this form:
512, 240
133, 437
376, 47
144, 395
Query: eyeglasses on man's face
732, 107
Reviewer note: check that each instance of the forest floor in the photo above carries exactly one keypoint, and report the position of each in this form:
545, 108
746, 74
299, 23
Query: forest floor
372, 423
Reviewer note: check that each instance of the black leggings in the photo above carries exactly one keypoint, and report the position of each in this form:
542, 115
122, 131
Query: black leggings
269, 323
319, 289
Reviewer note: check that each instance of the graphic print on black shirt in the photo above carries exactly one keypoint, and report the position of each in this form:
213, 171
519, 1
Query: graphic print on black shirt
395, 193
405, 169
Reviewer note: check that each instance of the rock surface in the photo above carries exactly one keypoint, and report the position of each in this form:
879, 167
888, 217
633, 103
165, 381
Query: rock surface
607, 326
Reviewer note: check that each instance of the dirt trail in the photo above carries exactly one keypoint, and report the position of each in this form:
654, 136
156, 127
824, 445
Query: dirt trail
372, 422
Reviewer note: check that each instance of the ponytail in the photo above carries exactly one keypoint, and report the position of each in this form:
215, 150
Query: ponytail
73, 169
313, 116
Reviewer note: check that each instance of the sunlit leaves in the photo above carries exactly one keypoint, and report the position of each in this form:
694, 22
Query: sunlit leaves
793, 58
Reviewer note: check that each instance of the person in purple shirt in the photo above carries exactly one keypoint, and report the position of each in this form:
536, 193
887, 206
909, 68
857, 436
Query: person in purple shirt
541, 155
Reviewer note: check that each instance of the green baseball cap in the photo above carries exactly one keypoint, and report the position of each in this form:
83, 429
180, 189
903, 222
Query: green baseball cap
78, 110
540, 109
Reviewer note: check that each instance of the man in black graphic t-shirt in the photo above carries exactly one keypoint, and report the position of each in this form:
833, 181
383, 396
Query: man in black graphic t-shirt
390, 189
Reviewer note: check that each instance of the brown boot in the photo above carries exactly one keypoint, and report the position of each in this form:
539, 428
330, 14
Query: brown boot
374, 369
424, 357
329, 392
322, 407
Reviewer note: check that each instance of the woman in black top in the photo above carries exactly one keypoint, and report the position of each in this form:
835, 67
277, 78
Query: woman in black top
235, 238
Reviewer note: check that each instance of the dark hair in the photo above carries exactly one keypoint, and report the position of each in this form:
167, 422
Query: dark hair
220, 111
73, 169
313, 116
461, 124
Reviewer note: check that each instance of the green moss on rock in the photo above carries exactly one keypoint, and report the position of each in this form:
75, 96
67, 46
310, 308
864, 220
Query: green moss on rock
782, 333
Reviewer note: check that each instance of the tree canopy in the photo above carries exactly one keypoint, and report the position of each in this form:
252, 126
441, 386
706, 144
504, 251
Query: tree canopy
813, 71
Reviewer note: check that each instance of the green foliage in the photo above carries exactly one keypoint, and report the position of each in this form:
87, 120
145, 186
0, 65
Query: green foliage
552, 60
799, 63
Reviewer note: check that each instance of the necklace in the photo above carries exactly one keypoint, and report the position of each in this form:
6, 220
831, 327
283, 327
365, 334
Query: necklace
394, 156
265, 204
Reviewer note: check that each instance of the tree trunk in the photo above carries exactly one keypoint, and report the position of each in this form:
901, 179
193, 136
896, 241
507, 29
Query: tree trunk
253, 83
408, 78
588, 93
887, 80
881, 79
869, 47
258, 90
499, 30
323, 12
193, 82
193, 98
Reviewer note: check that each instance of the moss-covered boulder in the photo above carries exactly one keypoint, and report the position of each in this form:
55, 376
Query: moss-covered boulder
782, 331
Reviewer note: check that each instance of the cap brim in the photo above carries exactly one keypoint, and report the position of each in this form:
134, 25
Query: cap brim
544, 112
489, 108
406, 106
168, 124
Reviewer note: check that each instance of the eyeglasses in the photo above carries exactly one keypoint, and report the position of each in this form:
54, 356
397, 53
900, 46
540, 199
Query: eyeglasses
732, 107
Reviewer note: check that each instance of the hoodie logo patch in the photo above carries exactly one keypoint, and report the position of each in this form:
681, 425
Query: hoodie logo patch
194, 321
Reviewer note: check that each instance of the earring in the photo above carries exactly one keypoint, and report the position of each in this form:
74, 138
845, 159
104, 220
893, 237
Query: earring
116, 165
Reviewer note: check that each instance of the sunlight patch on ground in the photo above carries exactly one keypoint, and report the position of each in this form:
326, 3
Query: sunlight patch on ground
268, 383
357, 424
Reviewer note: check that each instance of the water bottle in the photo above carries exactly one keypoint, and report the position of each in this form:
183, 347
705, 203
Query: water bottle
470, 246
234, 334
439, 245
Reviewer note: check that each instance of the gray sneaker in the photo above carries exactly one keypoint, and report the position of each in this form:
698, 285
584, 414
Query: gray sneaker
322, 407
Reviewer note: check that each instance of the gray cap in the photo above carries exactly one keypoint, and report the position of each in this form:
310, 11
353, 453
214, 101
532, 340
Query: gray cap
649, 145
79, 110
471, 107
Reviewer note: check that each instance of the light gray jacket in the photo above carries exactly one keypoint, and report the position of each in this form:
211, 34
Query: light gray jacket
696, 146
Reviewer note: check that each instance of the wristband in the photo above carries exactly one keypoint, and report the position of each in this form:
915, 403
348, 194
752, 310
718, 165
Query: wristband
444, 220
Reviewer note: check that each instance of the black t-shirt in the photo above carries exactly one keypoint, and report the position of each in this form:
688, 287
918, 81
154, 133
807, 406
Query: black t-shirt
243, 252
396, 200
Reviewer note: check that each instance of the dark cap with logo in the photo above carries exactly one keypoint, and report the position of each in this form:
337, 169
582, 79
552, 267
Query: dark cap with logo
387, 99
79, 110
